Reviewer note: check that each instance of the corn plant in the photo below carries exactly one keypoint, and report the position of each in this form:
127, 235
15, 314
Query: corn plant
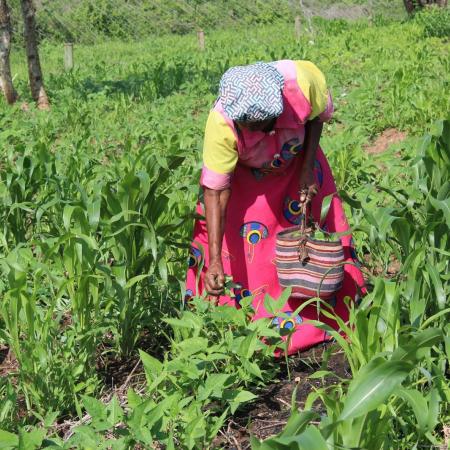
416, 229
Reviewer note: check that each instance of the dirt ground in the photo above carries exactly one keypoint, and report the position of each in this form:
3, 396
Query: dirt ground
268, 415
385, 140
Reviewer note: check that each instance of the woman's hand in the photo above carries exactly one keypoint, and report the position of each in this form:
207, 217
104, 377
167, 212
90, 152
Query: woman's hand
214, 279
308, 187
215, 205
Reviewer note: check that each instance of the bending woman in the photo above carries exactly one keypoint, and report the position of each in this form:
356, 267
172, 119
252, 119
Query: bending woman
261, 160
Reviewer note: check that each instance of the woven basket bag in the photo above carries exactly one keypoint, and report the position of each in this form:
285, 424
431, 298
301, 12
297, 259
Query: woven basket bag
311, 267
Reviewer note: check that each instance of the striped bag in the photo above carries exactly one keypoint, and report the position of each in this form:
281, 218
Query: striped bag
311, 267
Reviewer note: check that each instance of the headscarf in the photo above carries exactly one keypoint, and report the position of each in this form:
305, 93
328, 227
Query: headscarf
252, 93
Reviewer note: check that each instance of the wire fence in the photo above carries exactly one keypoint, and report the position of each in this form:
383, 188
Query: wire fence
91, 21
88, 21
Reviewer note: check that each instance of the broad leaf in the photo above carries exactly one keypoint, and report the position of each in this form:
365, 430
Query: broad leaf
371, 388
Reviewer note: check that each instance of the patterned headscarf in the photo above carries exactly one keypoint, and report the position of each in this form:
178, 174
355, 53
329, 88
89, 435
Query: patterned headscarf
252, 93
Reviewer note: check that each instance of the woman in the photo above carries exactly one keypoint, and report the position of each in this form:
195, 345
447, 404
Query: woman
262, 160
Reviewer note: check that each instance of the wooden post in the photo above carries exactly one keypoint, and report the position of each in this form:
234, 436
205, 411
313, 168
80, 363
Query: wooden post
68, 56
297, 27
201, 39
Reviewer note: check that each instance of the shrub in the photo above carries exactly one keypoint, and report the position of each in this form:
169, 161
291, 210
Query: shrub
435, 21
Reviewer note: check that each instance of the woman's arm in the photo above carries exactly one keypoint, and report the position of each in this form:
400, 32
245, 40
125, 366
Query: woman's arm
308, 186
216, 202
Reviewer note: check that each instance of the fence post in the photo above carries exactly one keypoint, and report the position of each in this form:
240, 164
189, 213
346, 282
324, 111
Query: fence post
297, 27
201, 39
68, 56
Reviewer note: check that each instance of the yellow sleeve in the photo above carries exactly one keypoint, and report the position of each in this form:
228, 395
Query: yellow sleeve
313, 85
220, 148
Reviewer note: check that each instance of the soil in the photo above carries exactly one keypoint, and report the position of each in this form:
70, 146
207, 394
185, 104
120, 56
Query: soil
446, 432
385, 140
374, 269
119, 372
115, 372
4, 350
268, 415
8, 362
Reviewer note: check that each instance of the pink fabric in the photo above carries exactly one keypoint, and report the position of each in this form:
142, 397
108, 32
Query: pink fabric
214, 180
259, 202
297, 107
329, 110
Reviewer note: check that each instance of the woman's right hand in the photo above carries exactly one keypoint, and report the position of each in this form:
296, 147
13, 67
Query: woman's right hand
214, 279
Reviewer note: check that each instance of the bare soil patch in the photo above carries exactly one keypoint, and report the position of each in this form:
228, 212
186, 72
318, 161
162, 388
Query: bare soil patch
385, 140
376, 269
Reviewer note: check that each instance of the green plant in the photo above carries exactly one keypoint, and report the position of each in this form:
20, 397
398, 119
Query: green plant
365, 414
216, 355
435, 21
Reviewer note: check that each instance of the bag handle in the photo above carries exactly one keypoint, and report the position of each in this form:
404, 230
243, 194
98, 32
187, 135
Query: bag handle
302, 249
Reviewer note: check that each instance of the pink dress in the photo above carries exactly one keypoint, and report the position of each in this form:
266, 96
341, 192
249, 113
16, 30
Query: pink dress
264, 200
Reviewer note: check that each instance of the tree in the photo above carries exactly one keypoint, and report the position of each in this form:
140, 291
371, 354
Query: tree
413, 5
34, 65
6, 82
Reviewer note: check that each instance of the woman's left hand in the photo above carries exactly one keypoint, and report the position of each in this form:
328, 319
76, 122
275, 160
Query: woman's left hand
308, 187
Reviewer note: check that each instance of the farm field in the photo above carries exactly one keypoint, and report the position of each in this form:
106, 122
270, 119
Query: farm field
97, 348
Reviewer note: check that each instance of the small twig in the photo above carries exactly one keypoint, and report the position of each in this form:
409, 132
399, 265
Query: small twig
284, 402
232, 422
274, 425
127, 381
238, 446
85, 419
225, 435
267, 421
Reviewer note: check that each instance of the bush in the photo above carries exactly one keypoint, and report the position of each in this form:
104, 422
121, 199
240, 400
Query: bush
435, 21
